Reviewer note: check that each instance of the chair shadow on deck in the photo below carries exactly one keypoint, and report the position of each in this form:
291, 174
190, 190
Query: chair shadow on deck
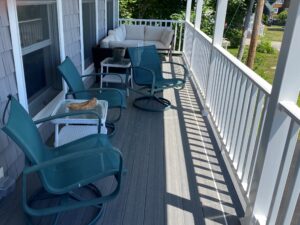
213, 199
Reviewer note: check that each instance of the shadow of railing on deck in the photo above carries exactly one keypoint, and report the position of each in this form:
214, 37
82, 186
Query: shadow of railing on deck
212, 191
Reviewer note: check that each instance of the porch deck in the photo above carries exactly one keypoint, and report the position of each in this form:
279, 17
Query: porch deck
176, 174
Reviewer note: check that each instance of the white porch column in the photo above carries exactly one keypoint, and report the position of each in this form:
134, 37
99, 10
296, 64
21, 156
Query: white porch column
220, 22
198, 14
286, 87
217, 41
188, 10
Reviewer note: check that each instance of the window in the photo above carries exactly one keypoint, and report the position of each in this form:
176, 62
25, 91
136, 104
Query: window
110, 14
89, 30
40, 49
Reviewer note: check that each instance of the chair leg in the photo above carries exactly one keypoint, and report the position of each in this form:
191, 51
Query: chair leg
152, 103
111, 128
42, 195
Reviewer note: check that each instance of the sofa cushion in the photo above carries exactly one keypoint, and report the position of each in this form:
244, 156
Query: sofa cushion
157, 44
153, 33
120, 33
167, 37
135, 32
126, 43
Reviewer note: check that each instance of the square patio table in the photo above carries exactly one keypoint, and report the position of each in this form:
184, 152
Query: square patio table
78, 126
124, 64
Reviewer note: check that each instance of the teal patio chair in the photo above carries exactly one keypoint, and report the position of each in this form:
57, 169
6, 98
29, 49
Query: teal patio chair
115, 97
66, 170
147, 72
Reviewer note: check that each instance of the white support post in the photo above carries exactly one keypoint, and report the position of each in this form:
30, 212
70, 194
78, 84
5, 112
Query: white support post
198, 14
285, 88
17, 52
217, 41
220, 22
188, 10
61, 38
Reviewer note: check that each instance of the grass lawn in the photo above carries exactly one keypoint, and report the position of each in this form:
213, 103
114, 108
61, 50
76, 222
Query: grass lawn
264, 65
274, 33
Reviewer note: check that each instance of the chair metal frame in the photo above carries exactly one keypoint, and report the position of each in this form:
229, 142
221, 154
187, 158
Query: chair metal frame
157, 84
48, 191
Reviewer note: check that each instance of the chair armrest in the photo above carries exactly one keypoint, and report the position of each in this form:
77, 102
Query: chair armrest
151, 72
96, 90
186, 71
104, 74
85, 112
68, 157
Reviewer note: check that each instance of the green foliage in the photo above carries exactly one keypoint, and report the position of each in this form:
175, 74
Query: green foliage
236, 13
282, 17
150, 9
208, 17
234, 36
175, 9
265, 46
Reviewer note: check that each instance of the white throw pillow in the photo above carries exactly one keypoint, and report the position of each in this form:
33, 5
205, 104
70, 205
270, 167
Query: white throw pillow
135, 32
153, 33
167, 36
119, 34
123, 31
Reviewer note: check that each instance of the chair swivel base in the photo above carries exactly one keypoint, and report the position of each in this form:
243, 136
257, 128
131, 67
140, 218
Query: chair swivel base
42, 197
111, 129
152, 103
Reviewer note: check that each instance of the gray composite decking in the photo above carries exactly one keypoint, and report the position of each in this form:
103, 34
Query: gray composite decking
176, 175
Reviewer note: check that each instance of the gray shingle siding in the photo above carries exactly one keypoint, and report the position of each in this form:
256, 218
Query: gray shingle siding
101, 19
72, 36
11, 157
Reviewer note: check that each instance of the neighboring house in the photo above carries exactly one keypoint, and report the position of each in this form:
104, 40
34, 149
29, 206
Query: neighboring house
44, 33
279, 5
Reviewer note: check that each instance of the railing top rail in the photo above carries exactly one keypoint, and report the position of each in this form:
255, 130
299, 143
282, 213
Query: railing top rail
259, 81
292, 109
152, 20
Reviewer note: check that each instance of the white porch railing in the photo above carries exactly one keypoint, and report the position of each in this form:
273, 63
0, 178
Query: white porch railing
176, 25
237, 99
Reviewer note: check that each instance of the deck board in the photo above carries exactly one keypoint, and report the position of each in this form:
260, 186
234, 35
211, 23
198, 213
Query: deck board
176, 174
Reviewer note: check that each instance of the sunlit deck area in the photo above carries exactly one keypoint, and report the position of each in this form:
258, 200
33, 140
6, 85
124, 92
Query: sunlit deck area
176, 173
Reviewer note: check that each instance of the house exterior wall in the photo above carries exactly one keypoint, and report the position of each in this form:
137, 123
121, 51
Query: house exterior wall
71, 24
101, 19
11, 158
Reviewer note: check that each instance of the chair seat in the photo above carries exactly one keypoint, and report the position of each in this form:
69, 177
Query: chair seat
113, 98
66, 176
169, 83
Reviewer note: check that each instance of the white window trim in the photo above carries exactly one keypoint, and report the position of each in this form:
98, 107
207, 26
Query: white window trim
17, 52
90, 68
18, 57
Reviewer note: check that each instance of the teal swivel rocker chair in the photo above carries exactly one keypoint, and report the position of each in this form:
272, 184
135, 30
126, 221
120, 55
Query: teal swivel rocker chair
147, 73
66, 170
115, 97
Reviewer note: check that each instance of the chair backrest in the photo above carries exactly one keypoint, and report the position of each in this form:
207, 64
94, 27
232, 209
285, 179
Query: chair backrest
146, 57
22, 130
72, 77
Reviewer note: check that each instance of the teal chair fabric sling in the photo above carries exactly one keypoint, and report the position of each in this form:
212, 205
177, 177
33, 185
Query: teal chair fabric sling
65, 169
147, 72
115, 97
